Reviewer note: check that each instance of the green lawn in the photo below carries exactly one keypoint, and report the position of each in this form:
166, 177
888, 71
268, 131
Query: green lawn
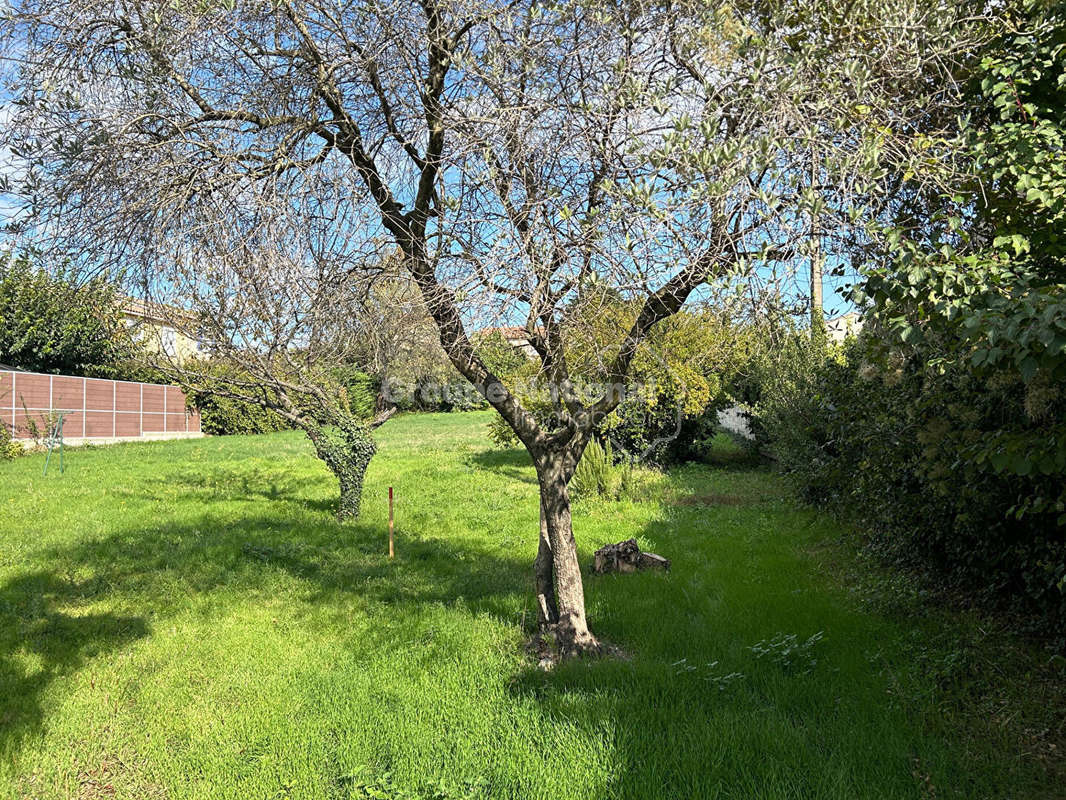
186, 620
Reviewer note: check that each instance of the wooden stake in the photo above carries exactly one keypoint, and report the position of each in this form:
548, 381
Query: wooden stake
391, 550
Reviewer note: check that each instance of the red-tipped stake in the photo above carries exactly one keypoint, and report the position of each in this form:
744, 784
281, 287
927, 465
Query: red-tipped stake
391, 550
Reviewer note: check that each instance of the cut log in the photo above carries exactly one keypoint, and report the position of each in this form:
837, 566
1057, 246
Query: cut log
652, 561
626, 557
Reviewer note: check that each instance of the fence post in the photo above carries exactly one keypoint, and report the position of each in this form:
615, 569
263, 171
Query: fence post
84, 403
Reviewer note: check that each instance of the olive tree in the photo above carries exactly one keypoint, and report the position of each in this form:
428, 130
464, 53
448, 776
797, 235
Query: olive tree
525, 159
274, 329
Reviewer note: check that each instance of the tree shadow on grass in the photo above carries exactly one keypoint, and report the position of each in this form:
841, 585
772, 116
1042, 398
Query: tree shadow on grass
513, 462
162, 571
693, 709
43, 637
245, 484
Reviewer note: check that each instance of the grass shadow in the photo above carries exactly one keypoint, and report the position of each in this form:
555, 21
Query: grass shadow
512, 462
243, 484
167, 569
46, 636
769, 679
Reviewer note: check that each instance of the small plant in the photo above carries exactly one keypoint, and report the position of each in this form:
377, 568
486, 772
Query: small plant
722, 681
597, 474
40, 428
9, 448
788, 651
723, 448
383, 787
593, 471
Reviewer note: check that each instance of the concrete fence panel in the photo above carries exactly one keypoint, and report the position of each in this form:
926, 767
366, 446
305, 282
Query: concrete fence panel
95, 409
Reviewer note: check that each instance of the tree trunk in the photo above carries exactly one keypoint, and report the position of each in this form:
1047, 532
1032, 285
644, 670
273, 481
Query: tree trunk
351, 495
544, 577
818, 331
347, 451
571, 628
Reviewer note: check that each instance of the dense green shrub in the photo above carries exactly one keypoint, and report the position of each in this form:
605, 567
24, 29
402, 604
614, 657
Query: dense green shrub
946, 434
598, 474
431, 393
678, 381
52, 322
346, 446
360, 391
223, 416
9, 448
908, 451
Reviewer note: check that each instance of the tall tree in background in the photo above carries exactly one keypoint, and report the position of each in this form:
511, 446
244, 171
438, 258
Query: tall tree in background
526, 159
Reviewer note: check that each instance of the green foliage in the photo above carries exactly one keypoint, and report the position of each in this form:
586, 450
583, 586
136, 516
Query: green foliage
346, 447
51, 322
677, 383
9, 448
788, 652
949, 436
360, 390
501, 357
902, 450
366, 786
431, 392
678, 379
224, 416
982, 283
599, 475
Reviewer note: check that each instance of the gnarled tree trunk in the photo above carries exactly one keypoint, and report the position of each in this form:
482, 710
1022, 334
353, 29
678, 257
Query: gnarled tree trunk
346, 450
565, 616
544, 577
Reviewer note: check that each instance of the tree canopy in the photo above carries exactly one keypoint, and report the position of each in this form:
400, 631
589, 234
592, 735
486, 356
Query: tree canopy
525, 159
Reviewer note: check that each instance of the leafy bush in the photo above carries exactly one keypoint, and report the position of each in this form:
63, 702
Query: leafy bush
918, 455
432, 393
597, 474
946, 434
675, 388
54, 323
9, 448
361, 390
224, 416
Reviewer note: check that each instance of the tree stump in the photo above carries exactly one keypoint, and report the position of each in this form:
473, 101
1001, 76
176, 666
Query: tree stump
626, 557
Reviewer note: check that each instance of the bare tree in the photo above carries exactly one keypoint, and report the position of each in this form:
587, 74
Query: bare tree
396, 340
526, 159
275, 328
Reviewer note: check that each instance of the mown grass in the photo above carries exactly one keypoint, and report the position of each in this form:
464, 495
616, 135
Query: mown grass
187, 620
